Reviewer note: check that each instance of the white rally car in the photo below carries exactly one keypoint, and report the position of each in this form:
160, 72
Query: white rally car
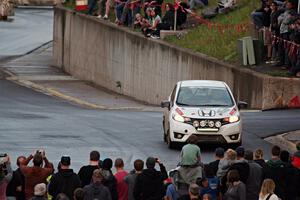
204, 108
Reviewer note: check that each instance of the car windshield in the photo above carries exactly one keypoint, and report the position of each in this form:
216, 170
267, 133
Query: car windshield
204, 96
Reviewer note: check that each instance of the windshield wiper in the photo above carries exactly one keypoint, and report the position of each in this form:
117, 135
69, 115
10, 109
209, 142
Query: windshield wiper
183, 104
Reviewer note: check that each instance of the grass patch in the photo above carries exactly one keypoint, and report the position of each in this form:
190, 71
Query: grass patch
219, 42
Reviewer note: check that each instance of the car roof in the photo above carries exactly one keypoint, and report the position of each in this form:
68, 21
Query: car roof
204, 83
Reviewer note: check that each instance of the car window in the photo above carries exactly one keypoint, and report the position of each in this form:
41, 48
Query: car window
204, 96
173, 94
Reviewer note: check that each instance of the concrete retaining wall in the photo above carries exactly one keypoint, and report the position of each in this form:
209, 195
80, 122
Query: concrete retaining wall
36, 2
147, 69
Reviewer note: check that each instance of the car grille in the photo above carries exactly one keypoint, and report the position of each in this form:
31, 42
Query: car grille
214, 120
211, 139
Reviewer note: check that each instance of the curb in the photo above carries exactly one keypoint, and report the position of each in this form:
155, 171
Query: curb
52, 92
47, 7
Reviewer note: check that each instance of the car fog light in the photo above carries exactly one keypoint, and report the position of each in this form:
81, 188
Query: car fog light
211, 124
203, 123
196, 124
218, 124
234, 137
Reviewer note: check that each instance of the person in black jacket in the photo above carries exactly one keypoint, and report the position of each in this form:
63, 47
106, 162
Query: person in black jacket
85, 173
149, 184
219, 154
65, 181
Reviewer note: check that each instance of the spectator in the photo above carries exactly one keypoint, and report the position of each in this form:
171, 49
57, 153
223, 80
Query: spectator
78, 194
225, 163
193, 193
261, 17
294, 55
236, 189
155, 4
274, 28
122, 187
255, 177
190, 161
275, 170
6, 174
139, 21
209, 186
64, 181
15, 188
284, 20
85, 173
167, 21
296, 157
172, 189
267, 190
36, 174
149, 184
103, 8
91, 6
131, 177
96, 190
258, 157
206, 197
39, 192
214, 165
119, 7
292, 176
62, 196
109, 179
154, 21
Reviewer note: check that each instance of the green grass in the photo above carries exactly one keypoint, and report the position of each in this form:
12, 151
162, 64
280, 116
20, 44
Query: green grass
219, 42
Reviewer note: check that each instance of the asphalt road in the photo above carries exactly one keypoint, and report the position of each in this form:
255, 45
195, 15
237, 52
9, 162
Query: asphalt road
31, 120
27, 30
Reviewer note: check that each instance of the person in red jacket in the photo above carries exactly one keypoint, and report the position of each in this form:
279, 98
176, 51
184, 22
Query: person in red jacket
36, 174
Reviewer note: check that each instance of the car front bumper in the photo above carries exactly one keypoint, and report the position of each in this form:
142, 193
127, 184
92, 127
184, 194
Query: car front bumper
229, 133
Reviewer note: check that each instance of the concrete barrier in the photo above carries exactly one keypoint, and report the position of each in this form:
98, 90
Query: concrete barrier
36, 2
145, 69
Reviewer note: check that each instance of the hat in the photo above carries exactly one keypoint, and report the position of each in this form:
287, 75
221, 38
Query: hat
40, 189
150, 162
65, 160
194, 189
240, 151
219, 152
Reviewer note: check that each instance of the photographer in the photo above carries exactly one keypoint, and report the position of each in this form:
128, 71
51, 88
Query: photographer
5, 174
149, 184
36, 174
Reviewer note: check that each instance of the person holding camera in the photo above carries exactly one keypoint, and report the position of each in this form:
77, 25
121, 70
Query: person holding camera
5, 174
150, 183
37, 173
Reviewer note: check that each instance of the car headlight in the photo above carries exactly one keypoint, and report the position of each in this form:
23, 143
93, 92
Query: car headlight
232, 119
180, 118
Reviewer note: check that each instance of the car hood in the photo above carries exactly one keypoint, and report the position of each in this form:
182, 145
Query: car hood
209, 112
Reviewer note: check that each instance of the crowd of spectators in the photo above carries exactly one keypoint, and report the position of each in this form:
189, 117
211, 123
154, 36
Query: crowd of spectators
147, 15
280, 24
233, 175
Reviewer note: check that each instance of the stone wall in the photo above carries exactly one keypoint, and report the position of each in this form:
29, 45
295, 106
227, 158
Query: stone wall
36, 2
147, 69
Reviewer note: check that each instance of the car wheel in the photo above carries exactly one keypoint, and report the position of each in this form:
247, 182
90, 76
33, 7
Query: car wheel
171, 145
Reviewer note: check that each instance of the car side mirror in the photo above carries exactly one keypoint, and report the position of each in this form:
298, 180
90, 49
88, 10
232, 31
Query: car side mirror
242, 105
165, 104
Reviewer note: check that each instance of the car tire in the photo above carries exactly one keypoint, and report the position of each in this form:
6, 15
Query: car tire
171, 145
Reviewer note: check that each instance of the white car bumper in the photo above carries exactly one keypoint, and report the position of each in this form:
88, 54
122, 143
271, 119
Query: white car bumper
229, 133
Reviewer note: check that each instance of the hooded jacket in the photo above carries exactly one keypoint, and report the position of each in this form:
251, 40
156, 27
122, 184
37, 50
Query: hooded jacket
276, 170
149, 184
96, 191
111, 183
65, 181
